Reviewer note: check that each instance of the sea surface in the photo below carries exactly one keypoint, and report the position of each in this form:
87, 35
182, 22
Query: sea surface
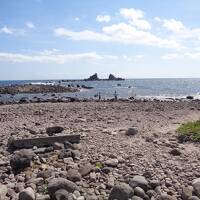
141, 88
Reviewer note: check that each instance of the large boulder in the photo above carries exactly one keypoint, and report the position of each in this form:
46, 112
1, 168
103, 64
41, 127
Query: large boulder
27, 194
21, 159
94, 77
121, 191
60, 183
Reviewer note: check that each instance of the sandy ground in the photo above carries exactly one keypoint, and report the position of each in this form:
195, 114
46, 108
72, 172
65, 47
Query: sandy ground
102, 126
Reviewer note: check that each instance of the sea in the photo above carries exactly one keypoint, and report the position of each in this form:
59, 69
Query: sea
164, 88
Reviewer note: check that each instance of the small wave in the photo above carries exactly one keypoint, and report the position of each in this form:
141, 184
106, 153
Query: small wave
42, 83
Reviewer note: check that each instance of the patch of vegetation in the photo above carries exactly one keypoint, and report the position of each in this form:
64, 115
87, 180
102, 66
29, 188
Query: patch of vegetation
99, 165
189, 131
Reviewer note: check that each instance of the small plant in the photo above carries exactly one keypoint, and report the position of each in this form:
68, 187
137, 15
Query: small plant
189, 131
99, 165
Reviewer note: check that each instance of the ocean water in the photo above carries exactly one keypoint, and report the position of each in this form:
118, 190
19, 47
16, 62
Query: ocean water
147, 88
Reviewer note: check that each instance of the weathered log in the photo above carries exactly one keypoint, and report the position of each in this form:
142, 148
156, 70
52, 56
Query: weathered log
42, 142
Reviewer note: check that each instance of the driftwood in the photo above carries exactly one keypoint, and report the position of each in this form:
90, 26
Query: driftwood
42, 142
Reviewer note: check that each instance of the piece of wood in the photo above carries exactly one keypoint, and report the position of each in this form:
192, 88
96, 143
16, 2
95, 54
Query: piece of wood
42, 142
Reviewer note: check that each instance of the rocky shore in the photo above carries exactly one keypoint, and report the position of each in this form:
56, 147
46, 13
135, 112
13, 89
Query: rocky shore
39, 88
127, 150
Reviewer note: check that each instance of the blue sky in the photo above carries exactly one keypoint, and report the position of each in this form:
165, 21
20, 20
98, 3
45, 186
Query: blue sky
48, 39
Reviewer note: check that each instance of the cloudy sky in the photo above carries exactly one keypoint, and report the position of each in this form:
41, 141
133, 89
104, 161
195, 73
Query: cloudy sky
48, 39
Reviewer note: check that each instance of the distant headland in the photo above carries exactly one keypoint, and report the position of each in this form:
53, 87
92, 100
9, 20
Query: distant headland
111, 77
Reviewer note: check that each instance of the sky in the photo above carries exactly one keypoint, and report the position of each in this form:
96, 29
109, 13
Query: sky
64, 39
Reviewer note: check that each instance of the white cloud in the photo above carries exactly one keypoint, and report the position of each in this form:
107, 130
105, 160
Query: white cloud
52, 57
170, 56
174, 25
186, 55
30, 25
132, 58
82, 35
121, 33
103, 18
136, 18
12, 31
6, 30
76, 18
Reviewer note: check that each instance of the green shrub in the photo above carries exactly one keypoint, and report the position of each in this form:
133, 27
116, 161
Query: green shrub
189, 131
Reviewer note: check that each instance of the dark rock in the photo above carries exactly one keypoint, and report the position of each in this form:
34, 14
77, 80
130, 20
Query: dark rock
113, 78
21, 159
175, 152
68, 145
62, 194
94, 77
131, 131
121, 192
53, 130
60, 183
27, 194
190, 97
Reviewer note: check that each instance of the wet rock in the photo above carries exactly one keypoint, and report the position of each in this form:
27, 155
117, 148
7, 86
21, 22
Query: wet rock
131, 131
139, 181
60, 183
187, 192
27, 194
121, 192
21, 159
